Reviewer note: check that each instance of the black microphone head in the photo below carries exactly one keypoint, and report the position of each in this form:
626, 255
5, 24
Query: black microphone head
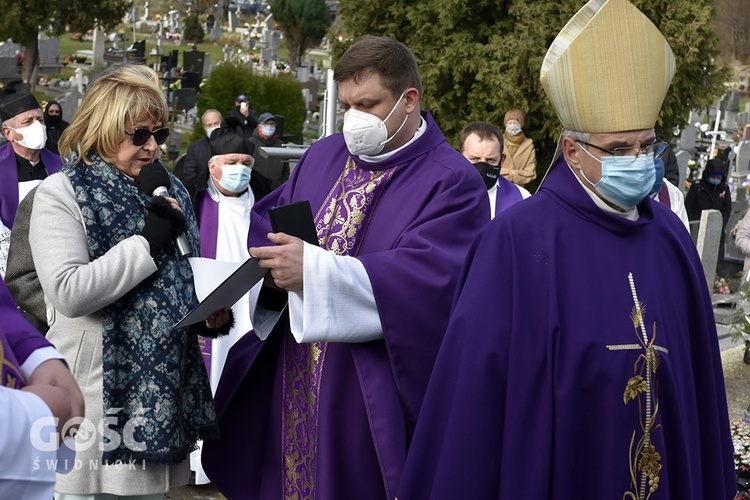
152, 176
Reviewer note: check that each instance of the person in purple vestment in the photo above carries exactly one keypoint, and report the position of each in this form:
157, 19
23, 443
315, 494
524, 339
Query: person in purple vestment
35, 384
482, 145
24, 162
594, 373
322, 399
223, 206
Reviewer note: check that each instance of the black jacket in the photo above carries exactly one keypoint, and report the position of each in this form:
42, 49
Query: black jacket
193, 171
704, 196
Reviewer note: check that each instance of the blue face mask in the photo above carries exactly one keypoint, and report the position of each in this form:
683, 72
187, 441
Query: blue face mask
235, 178
625, 180
714, 179
659, 175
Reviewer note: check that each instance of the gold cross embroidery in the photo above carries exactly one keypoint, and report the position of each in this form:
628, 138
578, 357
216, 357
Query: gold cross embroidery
644, 458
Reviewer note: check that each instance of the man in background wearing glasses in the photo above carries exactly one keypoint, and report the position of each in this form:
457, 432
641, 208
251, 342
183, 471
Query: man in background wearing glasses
595, 372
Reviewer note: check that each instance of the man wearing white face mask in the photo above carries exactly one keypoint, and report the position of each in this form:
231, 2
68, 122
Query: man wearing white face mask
194, 169
320, 401
222, 208
264, 135
23, 159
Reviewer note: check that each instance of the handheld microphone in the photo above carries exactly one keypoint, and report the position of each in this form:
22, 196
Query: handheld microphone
154, 181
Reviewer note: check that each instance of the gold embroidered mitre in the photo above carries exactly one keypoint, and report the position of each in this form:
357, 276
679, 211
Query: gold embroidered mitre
608, 69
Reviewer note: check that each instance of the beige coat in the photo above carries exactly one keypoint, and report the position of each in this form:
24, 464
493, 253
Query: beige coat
742, 239
519, 166
75, 290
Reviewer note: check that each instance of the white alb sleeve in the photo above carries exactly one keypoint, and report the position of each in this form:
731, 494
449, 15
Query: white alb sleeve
28, 446
337, 302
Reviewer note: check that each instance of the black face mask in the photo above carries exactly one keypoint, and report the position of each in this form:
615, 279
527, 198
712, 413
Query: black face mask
489, 173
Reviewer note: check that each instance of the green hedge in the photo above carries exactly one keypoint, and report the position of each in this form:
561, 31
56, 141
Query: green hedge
280, 95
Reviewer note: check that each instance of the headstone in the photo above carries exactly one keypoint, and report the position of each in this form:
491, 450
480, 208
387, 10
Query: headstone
193, 60
233, 21
683, 157
734, 101
742, 161
730, 121
709, 235
70, 103
145, 12
49, 55
9, 69
688, 137
98, 59
184, 98
174, 21
216, 32
206, 65
743, 118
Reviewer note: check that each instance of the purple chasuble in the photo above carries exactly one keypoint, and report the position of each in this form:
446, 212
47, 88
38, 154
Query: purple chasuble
18, 339
9, 186
597, 357
369, 394
507, 194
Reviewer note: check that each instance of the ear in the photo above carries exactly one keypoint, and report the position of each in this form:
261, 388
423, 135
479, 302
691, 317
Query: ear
7, 133
411, 96
572, 152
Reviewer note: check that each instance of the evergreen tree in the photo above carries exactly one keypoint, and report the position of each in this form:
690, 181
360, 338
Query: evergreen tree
479, 59
304, 24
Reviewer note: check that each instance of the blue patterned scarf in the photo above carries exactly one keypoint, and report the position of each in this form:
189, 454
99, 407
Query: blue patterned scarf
156, 393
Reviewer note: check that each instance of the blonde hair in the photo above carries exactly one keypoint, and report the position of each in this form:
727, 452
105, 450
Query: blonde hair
122, 96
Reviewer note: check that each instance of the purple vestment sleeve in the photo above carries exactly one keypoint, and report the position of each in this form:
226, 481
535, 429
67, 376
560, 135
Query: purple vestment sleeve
526, 397
22, 338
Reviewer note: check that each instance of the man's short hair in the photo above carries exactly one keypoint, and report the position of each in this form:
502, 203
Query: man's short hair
485, 131
205, 113
392, 60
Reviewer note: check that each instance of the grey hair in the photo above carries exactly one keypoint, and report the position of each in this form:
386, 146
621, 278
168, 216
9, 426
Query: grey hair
211, 111
576, 136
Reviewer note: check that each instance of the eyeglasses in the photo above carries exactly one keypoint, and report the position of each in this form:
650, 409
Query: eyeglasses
628, 154
142, 135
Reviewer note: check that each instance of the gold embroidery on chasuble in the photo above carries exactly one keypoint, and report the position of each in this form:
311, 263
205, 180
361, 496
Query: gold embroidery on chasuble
340, 223
10, 375
645, 460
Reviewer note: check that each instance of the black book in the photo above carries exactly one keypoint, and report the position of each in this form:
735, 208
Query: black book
294, 219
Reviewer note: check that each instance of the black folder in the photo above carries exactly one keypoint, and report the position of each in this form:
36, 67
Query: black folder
294, 219
225, 295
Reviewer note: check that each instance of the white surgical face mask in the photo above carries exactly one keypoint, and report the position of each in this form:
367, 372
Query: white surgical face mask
268, 130
34, 136
365, 133
513, 128
209, 131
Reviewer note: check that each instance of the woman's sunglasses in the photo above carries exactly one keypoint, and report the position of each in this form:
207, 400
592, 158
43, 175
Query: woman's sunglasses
142, 135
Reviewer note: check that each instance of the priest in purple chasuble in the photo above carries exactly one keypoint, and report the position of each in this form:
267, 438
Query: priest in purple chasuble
323, 404
24, 162
223, 204
595, 373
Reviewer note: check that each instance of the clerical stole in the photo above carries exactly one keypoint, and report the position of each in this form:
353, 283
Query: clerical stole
10, 374
341, 223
